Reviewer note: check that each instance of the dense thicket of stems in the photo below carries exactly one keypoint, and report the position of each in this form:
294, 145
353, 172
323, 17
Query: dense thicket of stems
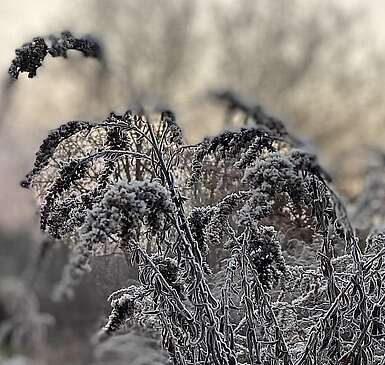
211, 229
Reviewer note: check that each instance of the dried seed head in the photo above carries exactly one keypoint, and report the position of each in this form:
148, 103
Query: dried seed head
30, 56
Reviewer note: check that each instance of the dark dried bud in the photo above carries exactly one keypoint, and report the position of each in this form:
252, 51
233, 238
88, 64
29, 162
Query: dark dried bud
29, 58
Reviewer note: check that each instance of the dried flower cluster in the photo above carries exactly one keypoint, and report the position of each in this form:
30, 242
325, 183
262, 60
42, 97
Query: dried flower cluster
210, 229
30, 56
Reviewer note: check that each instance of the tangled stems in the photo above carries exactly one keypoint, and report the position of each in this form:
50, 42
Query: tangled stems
309, 352
122, 212
193, 253
263, 305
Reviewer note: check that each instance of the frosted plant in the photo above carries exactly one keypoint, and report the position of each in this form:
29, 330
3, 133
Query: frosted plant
209, 228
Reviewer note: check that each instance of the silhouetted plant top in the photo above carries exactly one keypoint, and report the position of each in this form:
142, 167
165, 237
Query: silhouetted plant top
30, 56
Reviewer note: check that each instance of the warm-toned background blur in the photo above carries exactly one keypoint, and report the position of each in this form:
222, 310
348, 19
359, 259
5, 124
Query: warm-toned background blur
319, 65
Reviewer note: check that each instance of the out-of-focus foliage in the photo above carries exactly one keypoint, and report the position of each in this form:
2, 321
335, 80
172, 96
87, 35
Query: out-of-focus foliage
129, 349
152, 46
22, 326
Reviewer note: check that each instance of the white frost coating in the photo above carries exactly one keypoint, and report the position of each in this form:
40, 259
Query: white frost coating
123, 207
118, 215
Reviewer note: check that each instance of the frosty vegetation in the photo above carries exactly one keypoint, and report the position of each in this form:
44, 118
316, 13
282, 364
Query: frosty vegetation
245, 253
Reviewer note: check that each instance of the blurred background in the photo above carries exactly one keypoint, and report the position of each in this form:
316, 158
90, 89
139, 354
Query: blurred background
317, 65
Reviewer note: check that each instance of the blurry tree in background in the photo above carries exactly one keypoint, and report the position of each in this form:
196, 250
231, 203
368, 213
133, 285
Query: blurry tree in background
150, 46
